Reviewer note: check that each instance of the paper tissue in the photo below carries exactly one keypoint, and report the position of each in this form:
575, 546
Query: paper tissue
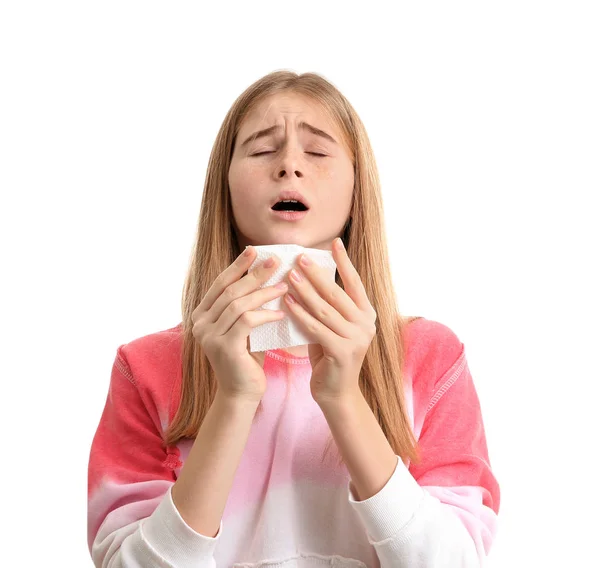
285, 332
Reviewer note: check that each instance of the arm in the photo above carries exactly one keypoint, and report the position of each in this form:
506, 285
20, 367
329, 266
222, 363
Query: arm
200, 493
370, 459
132, 519
444, 514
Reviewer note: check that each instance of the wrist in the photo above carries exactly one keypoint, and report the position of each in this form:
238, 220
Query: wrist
341, 402
237, 401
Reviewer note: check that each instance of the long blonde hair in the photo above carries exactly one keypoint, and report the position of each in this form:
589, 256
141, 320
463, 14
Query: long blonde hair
216, 247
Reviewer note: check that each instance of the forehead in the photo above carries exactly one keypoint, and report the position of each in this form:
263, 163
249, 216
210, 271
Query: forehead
283, 107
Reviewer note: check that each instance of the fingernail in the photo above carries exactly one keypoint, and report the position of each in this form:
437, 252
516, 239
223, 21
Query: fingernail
248, 251
269, 262
305, 260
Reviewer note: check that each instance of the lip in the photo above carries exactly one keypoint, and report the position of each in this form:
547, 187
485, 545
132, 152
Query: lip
290, 215
291, 194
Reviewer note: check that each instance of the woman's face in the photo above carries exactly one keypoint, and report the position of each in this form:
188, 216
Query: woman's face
256, 179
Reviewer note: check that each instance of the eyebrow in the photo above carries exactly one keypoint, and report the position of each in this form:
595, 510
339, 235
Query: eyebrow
303, 125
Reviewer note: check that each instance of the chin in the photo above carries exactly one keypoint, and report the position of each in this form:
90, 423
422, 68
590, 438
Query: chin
287, 240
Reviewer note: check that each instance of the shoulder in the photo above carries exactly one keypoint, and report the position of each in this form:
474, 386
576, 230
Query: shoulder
153, 347
428, 338
431, 349
153, 363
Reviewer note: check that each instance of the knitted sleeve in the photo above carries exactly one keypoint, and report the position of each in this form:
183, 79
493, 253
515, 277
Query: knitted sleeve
442, 511
456, 468
132, 521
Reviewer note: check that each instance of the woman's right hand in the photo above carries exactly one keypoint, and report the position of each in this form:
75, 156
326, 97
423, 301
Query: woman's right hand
224, 319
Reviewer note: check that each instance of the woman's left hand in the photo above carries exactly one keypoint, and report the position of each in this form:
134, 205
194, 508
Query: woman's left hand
340, 322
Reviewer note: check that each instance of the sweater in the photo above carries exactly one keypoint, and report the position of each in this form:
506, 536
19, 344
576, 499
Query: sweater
286, 508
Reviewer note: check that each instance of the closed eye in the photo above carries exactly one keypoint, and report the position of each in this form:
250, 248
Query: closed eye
270, 152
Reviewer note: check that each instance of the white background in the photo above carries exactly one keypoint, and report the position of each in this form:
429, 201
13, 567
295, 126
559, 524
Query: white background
485, 122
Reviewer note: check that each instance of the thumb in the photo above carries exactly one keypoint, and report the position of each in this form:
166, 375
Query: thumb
258, 356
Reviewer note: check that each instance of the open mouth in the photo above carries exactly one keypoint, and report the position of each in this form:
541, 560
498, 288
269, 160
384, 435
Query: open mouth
289, 205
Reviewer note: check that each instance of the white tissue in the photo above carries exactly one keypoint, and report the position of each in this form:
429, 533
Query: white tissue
285, 332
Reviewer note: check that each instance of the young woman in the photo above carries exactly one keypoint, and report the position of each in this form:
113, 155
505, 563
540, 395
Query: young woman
364, 448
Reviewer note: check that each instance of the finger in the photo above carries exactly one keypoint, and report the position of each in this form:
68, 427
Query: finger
251, 319
252, 301
231, 274
315, 330
329, 290
319, 308
353, 284
241, 288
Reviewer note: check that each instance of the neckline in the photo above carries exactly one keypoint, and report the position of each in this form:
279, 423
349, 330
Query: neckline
284, 356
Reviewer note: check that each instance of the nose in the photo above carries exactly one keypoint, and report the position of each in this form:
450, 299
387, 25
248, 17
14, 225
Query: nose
290, 161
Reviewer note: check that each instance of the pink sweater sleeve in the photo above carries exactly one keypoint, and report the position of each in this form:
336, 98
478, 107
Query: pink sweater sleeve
132, 520
455, 466
441, 512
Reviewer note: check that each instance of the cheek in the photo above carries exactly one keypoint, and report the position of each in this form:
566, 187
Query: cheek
341, 183
244, 184
341, 173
